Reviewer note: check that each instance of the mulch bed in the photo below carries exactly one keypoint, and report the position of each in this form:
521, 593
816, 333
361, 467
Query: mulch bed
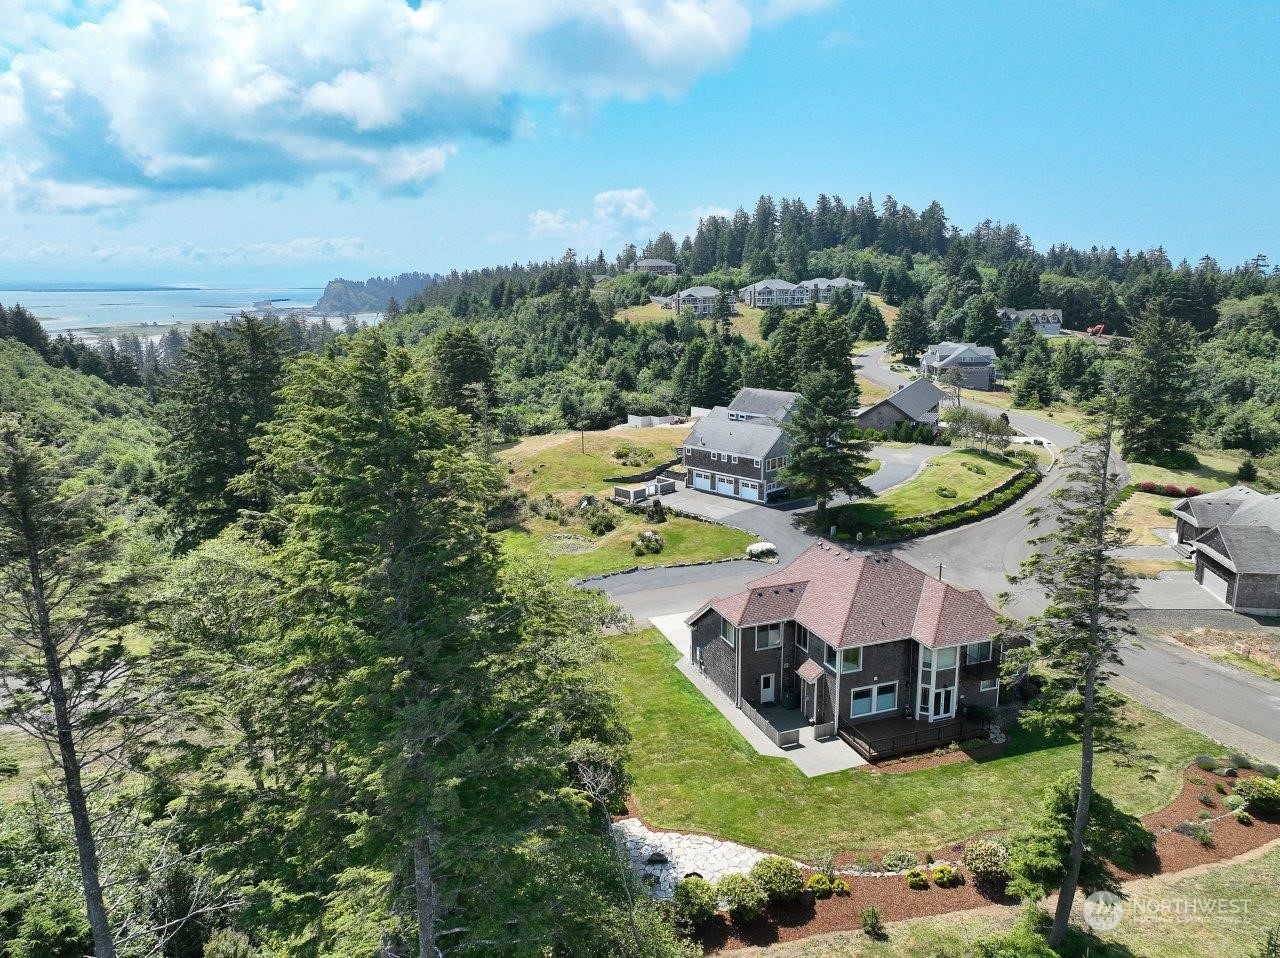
916, 763
889, 893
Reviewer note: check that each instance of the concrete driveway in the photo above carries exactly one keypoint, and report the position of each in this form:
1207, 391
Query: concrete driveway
1175, 590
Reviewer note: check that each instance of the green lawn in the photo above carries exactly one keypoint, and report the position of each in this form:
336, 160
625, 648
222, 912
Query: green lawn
746, 319
558, 464
572, 550
694, 772
1208, 470
915, 497
29, 757
1140, 514
1182, 932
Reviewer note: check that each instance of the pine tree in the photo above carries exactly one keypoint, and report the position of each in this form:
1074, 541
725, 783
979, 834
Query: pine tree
716, 384
461, 370
982, 322
910, 332
827, 453
1157, 386
1076, 642
867, 322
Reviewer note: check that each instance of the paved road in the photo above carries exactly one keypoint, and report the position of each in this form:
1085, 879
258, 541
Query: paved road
1227, 704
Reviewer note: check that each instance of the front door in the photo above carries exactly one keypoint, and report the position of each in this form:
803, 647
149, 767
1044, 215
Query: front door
766, 688
806, 701
943, 701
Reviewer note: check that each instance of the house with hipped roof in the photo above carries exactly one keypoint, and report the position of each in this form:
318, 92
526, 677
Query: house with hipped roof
1234, 536
917, 402
854, 640
976, 365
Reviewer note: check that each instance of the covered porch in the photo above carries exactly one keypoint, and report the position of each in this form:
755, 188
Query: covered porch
889, 737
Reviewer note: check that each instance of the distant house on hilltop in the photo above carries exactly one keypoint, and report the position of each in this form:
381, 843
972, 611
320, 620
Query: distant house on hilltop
659, 267
1046, 322
773, 292
976, 364
738, 450
917, 402
700, 299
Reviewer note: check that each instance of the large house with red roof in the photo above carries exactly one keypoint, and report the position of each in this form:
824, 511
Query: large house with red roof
852, 638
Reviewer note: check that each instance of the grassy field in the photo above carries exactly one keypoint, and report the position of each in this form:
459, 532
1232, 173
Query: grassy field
746, 320
869, 392
571, 462
1208, 470
954, 471
1182, 932
574, 552
1063, 414
890, 313
1140, 513
694, 772
569, 465
28, 756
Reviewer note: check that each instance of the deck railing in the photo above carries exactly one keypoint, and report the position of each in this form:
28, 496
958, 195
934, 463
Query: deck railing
779, 738
873, 744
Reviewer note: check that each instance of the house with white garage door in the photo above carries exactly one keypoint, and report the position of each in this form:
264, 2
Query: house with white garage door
738, 450
1234, 535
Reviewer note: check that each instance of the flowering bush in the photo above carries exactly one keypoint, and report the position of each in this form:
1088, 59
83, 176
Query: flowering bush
986, 860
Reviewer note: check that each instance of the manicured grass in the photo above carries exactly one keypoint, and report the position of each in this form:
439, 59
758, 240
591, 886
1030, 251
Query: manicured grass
920, 495
694, 772
1140, 513
1249, 664
1061, 413
1189, 928
1207, 470
745, 321
572, 550
1151, 568
557, 464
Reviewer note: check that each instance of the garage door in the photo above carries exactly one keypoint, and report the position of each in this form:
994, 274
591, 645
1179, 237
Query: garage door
1215, 584
724, 486
748, 490
702, 480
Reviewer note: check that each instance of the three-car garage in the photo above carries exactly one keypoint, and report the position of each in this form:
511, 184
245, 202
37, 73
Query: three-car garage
726, 485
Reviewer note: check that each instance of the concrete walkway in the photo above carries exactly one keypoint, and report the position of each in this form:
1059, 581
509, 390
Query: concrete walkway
810, 756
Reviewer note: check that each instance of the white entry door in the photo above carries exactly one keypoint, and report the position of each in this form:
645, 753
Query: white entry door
702, 480
766, 688
1214, 583
806, 700
724, 485
943, 703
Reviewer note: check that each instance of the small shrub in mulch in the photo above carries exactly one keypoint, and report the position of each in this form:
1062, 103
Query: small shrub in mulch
743, 897
916, 879
1206, 763
872, 925
1198, 831
693, 903
839, 887
899, 861
779, 878
820, 885
987, 860
944, 876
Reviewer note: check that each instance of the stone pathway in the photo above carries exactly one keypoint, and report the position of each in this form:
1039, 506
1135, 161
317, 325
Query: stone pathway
663, 858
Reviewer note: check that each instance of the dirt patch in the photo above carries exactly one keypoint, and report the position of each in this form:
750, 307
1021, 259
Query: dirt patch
1242, 647
916, 763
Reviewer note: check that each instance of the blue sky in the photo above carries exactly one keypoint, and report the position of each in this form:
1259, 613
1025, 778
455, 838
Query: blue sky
222, 141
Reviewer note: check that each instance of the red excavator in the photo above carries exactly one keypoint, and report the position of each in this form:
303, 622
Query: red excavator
1097, 330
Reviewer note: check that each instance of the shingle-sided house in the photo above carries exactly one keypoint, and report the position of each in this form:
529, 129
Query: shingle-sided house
916, 402
773, 292
819, 290
738, 450
1234, 536
854, 639
700, 299
1046, 322
977, 364
659, 267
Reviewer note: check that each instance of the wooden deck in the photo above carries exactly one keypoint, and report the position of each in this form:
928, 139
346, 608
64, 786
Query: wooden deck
886, 738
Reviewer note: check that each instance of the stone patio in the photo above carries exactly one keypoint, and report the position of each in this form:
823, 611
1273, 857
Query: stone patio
677, 855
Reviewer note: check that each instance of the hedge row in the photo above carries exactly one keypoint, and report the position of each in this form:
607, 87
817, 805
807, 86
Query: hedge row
1172, 490
912, 527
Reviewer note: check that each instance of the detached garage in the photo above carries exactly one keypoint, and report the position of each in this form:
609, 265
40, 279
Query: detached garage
1214, 582
1240, 565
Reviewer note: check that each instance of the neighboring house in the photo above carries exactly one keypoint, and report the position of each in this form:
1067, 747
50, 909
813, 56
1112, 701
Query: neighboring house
773, 292
852, 638
976, 364
1046, 322
916, 402
738, 450
1234, 536
700, 299
659, 267
819, 290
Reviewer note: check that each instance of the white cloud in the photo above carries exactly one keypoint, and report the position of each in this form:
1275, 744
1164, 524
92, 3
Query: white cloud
105, 102
632, 204
617, 215
548, 224
302, 250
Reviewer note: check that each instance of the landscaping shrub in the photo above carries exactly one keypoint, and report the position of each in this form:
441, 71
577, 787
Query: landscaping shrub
647, 543
1207, 800
872, 925
820, 885
743, 899
1266, 770
693, 903
1260, 794
1247, 471
1236, 760
839, 887
1233, 802
944, 876
1192, 491
1148, 486
1243, 817
1166, 512
1220, 788
1204, 816
986, 860
600, 519
1171, 490
630, 455
917, 879
655, 511
899, 861
1197, 830
945, 492
1227, 772
975, 468
1206, 763
778, 878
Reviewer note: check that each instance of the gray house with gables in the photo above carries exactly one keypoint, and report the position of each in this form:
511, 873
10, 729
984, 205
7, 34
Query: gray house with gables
863, 642
738, 450
1234, 536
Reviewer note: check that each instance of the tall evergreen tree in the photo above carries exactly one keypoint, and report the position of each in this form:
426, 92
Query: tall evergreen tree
827, 454
982, 322
867, 322
909, 334
1157, 386
462, 370
1076, 642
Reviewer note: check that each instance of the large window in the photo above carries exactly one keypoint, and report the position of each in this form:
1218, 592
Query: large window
989, 685
873, 699
802, 638
978, 652
768, 636
851, 660
830, 657
728, 632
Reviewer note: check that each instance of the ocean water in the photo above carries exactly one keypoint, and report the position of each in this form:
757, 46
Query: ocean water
86, 306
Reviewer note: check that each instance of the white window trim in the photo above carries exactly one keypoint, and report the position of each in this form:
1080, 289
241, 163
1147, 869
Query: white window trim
840, 659
735, 460
874, 689
768, 625
731, 639
991, 651
802, 637
833, 669
988, 685
715, 457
